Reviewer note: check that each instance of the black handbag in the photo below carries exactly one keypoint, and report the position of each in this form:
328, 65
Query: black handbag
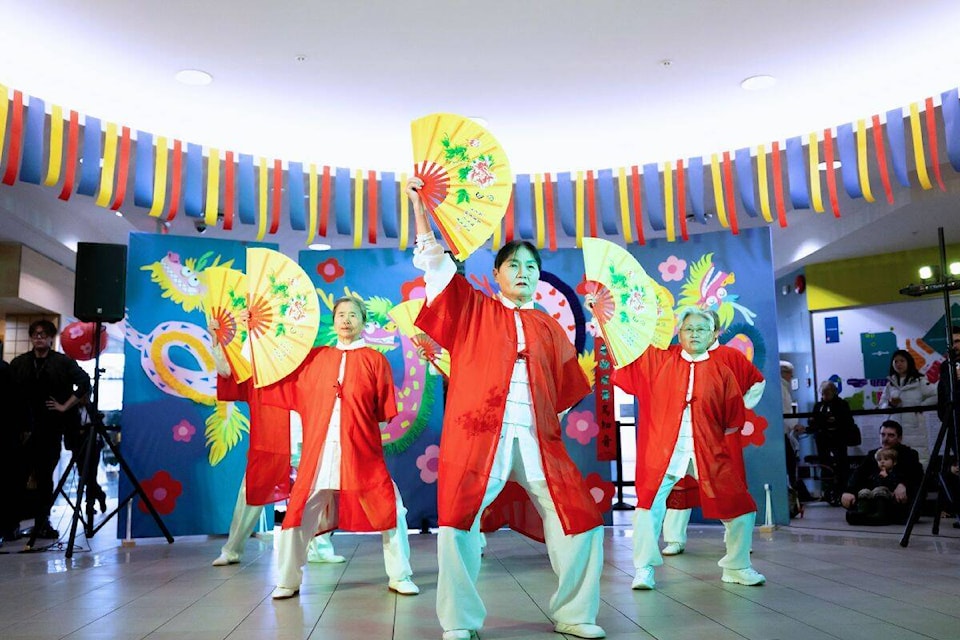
853, 436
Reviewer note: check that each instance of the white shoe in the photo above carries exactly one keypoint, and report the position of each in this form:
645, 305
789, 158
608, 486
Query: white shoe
283, 593
404, 587
226, 558
643, 581
581, 630
673, 549
325, 558
749, 576
461, 634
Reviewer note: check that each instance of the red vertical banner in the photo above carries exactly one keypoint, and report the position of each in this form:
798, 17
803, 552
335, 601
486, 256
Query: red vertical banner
373, 203
603, 395
277, 194
637, 204
70, 171
16, 138
123, 168
229, 190
176, 178
682, 201
324, 201
551, 216
592, 203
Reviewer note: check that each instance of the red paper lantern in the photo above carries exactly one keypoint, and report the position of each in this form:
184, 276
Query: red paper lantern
77, 340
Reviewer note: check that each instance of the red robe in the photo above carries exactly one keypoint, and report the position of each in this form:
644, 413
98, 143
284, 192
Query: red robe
685, 494
659, 380
366, 497
480, 334
268, 458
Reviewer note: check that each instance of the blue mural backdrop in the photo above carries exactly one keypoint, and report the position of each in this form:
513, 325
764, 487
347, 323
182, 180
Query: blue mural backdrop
186, 449
733, 276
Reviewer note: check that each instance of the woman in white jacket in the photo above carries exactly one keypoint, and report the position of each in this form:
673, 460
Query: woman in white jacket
907, 387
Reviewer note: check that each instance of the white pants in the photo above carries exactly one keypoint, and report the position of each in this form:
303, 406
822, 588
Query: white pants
647, 524
577, 560
292, 543
675, 526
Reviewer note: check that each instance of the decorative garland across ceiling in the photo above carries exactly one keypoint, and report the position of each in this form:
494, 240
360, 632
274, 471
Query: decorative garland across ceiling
236, 186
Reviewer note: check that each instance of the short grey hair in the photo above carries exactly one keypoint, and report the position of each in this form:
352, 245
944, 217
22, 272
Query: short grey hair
706, 314
356, 301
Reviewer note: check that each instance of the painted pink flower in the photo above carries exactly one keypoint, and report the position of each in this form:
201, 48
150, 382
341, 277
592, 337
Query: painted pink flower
474, 142
428, 462
481, 174
582, 426
753, 430
183, 431
163, 492
601, 491
635, 302
330, 270
593, 329
671, 269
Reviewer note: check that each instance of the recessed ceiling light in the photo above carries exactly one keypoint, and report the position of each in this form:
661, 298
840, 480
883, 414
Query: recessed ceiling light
319, 246
193, 77
823, 165
757, 83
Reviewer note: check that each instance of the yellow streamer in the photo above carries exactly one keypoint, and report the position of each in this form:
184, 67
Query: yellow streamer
358, 209
264, 178
4, 106
718, 190
814, 155
918, 152
213, 188
497, 239
538, 208
862, 161
579, 209
668, 202
763, 183
404, 214
109, 165
312, 224
624, 205
159, 177
55, 162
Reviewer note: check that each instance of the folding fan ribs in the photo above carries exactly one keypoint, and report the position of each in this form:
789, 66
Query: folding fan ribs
225, 299
466, 179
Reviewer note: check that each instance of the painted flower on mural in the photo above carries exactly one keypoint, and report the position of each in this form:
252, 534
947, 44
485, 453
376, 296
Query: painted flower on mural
582, 426
593, 329
183, 431
427, 462
330, 270
671, 269
413, 289
163, 492
753, 429
481, 173
601, 490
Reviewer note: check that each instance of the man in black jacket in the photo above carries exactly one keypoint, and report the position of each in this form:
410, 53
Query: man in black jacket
908, 468
51, 387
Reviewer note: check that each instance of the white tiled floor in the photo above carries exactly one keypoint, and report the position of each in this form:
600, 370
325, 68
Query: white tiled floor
824, 581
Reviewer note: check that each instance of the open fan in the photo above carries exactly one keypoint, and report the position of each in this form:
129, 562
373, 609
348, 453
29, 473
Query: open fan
284, 314
666, 318
225, 298
624, 303
405, 315
467, 182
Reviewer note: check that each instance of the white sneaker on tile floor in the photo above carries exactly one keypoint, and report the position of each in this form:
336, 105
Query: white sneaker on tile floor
749, 576
226, 558
643, 581
581, 630
325, 558
404, 587
283, 593
673, 549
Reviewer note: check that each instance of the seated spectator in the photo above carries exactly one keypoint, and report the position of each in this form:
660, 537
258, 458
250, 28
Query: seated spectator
909, 475
829, 425
874, 500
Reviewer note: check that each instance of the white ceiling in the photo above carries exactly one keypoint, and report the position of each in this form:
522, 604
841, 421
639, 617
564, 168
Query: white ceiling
564, 85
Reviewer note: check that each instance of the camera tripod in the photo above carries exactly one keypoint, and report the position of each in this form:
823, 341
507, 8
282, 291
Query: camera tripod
96, 430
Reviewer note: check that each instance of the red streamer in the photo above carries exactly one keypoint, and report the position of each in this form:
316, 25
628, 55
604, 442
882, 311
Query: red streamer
70, 171
881, 157
731, 199
176, 171
229, 190
372, 206
324, 201
932, 139
778, 184
637, 205
16, 141
548, 206
509, 222
122, 169
277, 194
681, 202
591, 204
831, 176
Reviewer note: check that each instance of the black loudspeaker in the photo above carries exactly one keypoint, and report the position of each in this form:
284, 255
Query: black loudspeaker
101, 283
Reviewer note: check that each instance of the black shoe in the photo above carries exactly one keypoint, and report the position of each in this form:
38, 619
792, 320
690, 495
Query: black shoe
46, 532
10, 536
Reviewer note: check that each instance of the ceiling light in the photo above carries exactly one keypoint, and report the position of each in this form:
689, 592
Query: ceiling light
926, 272
193, 77
954, 268
823, 165
757, 83
319, 246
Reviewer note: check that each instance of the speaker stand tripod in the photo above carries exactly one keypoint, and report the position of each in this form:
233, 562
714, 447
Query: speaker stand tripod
97, 430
